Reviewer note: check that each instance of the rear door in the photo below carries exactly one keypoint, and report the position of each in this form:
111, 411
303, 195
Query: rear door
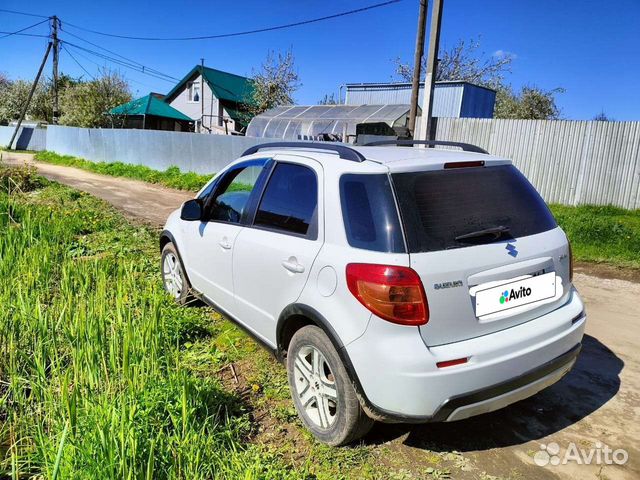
474, 235
274, 255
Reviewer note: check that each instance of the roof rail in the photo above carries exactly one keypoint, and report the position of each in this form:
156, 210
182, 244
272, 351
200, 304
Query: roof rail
467, 147
346, 153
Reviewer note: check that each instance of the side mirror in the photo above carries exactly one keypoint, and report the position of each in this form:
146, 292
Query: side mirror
192, 210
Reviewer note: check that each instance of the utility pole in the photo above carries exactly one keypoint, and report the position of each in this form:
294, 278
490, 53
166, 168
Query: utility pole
33, 89
202, 94
56, 53
417, 66
432, 65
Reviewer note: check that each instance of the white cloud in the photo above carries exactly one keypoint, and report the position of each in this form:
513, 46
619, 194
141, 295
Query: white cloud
504, 53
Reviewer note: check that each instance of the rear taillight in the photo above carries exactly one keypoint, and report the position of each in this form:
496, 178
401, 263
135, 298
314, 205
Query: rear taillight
391, 292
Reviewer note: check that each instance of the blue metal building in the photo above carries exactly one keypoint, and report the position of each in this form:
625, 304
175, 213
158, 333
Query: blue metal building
451, 99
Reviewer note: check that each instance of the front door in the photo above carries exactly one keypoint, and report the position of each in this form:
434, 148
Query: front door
274, 255
211, 243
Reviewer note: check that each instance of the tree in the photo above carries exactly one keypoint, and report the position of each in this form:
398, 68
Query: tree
14, 93
13, 96
274, 84
603, 117
464, 62
85, 104
328, 99
531, 103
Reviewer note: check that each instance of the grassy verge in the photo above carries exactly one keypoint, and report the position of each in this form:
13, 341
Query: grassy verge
602, 234
103, 376
172, 177
98, 375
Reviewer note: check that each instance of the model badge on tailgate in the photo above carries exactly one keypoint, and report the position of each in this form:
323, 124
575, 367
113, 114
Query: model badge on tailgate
455, 283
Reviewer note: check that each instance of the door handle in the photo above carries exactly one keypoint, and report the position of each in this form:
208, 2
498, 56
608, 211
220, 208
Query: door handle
224, 243
292, 265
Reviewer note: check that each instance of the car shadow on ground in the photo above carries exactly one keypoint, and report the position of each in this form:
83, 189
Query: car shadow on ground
593, 381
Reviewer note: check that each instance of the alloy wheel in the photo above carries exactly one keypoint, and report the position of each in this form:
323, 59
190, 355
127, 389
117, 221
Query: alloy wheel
316, 387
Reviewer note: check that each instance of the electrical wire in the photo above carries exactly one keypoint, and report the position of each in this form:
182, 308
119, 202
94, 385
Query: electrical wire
114, 53
77, 62
17, 32
141, 69
246, 32
26, 34
24, 13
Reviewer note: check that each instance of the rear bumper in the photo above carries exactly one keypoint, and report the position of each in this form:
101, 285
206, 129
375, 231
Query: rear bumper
400, 381
505, 393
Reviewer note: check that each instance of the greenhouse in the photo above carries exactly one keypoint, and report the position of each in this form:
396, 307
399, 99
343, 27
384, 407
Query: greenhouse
328, 122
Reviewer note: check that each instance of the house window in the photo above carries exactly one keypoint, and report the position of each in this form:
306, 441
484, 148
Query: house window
220, 114
193, 91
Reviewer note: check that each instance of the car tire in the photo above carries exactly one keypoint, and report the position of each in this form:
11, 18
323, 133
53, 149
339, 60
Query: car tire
322, 391
174, 279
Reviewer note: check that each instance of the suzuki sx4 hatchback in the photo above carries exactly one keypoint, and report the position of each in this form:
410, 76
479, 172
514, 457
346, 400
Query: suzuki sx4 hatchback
398, 284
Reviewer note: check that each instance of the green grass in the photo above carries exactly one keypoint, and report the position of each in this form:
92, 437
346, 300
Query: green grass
172, 177
602, 234
98, 378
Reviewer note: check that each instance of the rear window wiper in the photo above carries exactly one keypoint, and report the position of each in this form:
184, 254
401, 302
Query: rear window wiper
495, 232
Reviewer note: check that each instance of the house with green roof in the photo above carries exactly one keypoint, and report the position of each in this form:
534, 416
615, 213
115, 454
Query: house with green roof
151, 112
218, 101
206, 100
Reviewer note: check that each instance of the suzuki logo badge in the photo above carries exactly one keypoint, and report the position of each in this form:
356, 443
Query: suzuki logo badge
511, 250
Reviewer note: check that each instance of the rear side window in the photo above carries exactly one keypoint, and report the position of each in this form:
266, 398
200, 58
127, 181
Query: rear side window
290, 201
370, 214
438, 206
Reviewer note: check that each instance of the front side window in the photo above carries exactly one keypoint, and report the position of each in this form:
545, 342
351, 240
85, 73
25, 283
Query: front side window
290, 201
232, 195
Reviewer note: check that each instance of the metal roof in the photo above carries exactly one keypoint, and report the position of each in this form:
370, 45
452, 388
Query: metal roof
225, 86
149, 105
297, 121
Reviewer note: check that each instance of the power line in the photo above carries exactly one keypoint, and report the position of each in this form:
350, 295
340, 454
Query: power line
141, 69
246, 32
101, 47
134, 66
23, 13
76, 60
24, 34
25, 28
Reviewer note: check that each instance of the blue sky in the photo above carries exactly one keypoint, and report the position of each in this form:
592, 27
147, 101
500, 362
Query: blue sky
590, 48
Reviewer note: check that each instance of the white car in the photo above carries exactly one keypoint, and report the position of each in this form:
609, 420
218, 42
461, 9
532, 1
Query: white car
398, 284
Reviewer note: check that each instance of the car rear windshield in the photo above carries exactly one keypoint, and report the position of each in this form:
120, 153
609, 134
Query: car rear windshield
370, 214
455, 208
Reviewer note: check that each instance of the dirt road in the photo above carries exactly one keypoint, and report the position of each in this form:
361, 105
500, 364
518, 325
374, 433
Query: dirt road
144, 201
597, 404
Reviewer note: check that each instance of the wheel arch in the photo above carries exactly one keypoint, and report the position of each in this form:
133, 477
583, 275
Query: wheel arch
298, 315
167, 237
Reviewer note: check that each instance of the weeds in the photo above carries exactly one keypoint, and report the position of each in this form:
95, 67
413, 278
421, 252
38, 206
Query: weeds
95, 379
172, 177
602, 233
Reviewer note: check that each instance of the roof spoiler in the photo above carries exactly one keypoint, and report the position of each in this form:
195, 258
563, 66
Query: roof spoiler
467, 147
345, 152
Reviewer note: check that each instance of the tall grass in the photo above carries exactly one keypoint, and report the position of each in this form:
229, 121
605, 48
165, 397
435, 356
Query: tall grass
93, 383
171, 177
602, 233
